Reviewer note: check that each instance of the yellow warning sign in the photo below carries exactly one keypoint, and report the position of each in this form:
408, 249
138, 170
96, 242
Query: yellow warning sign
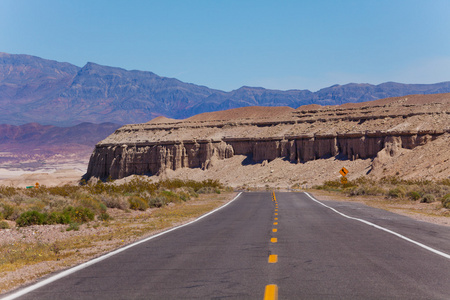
343, 171
344, 180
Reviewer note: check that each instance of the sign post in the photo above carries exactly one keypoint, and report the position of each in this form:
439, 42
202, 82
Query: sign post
344, 173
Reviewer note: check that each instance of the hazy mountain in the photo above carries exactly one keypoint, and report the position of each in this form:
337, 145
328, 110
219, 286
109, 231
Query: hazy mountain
33, 89
36, 135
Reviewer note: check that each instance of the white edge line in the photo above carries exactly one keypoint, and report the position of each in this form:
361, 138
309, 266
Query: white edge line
384, 229
103, 257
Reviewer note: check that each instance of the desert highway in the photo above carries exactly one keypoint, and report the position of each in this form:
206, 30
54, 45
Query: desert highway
257, 248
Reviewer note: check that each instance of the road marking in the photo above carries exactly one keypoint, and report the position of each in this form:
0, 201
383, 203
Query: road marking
384, 229
271, 292
276, 209
274, 230
276, 219
103, 257
275, 223
274, 240
276, 214
273, 258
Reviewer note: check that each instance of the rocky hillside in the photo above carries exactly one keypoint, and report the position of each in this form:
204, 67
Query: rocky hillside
33, 89
377, 133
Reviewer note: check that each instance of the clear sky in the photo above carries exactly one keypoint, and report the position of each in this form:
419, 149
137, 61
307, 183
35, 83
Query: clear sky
225, 44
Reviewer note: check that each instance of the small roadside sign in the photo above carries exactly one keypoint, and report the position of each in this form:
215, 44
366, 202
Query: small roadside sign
343, 171
344, 180
37, 185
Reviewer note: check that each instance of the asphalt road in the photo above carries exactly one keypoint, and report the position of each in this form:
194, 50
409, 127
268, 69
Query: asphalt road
232, 254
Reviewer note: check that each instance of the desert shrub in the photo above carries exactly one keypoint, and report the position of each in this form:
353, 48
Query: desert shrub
366, 190
190, 191
7, 191
31, 217
4, 225
73, 226
428, 198
157, 201
104, 217
446, 201
184, 196
77, 214
413, 195
136, 186
58, 203
10, 212
196, 185
113, 201
1, 216
35, 204
445, 182
137, 203
56, 218
169, 196
398, 192
336, 185
18, 199
206, 190
64, 191
91, 203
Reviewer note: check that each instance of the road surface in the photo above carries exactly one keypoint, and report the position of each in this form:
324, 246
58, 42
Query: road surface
294, 245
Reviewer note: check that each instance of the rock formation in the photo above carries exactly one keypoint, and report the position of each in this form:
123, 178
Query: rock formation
374, 130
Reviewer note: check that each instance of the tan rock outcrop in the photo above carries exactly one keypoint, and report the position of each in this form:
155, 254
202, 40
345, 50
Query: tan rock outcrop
377, 130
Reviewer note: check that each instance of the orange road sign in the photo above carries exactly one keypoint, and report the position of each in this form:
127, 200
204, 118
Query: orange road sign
344, 180
343, 171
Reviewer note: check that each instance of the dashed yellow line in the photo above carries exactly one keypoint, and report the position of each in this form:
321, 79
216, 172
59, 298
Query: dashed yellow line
273, 258
271, 292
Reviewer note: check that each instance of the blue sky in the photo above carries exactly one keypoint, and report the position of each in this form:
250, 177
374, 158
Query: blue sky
228, 44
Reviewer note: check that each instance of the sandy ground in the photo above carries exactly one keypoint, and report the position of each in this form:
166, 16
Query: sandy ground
53, 175
279, 173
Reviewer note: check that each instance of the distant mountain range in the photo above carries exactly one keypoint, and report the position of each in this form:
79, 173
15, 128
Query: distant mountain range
37, 135
33, 89
32, 145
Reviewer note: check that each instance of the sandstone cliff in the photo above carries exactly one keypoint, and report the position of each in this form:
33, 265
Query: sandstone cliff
374, 130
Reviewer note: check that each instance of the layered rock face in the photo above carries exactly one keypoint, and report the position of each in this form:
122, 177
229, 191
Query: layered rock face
350, 131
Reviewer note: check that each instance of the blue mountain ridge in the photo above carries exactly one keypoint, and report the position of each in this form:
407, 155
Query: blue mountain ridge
33, 89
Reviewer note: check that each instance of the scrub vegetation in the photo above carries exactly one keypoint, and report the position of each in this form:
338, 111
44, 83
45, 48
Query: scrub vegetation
394, 188
80, 204
56, 227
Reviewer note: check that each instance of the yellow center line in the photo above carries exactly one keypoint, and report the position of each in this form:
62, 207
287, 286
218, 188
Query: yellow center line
274, 230
274, 240
275, 223
276, 209
276, 214
276, 219
273, 258
271, 292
